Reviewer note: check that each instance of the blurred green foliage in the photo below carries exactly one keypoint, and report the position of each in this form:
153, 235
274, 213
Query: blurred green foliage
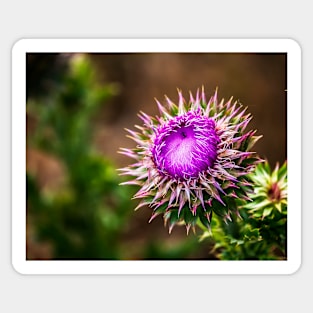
84, 218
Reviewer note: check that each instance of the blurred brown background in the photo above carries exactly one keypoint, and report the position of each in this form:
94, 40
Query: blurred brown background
256, 80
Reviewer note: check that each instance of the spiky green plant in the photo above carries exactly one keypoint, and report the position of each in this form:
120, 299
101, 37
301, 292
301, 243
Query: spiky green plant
261, 232
270, 191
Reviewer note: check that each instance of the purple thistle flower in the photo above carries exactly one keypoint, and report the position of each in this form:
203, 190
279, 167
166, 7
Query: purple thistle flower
185, 146
192, 160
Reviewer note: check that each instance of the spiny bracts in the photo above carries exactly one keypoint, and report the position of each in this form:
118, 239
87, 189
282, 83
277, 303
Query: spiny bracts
192, 160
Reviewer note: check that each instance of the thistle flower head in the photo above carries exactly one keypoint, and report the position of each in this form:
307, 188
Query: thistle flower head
270, 191
192, 160
185, 146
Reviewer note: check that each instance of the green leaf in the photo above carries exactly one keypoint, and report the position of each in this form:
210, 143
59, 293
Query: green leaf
204, 220
173, 216
219, 209
189, 218
267, 211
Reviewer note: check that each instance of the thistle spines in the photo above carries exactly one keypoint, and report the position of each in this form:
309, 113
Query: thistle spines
194, 189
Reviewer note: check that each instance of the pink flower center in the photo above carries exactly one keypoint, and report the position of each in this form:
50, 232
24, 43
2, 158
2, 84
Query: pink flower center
185, 146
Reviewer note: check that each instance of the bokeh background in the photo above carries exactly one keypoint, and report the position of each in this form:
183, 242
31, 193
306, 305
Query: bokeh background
77, 108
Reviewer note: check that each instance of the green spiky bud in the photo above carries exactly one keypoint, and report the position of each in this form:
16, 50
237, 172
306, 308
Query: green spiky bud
269, 192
